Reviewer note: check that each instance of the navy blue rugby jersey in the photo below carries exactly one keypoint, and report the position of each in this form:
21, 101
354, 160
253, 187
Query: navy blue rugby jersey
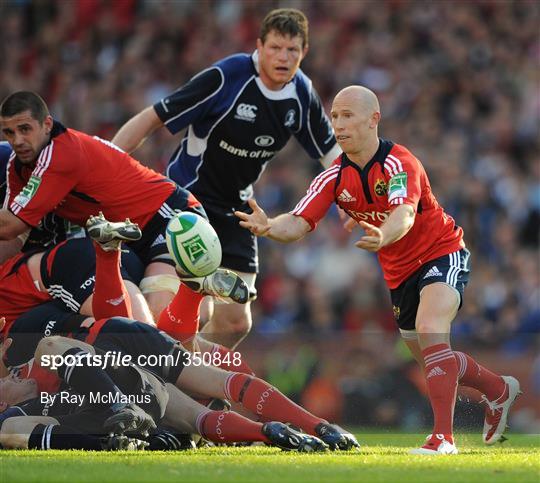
5, 153
236, 125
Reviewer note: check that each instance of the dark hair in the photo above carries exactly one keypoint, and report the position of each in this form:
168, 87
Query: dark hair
286, 21
24, 101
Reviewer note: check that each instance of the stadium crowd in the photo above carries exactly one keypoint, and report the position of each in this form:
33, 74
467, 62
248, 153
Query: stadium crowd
464, 98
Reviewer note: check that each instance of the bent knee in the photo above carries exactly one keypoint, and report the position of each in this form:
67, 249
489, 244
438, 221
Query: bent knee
239, 324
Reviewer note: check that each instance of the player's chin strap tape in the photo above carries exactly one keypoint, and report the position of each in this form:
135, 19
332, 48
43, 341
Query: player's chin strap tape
160, 283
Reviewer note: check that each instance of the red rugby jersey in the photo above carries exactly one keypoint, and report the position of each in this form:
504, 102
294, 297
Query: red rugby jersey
391, 178
18, 293
77, 175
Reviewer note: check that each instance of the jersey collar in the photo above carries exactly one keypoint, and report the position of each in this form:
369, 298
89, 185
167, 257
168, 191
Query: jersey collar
380, 155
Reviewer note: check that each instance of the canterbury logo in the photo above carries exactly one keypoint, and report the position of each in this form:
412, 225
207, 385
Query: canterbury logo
436, 371
433, 272
246, 112
346, 197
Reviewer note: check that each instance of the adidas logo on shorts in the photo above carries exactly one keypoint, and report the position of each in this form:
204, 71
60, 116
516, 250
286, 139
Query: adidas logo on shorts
346, 197
433, 272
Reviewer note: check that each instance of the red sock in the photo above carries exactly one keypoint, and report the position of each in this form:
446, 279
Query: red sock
180, 319
228, 427
230, 360
441, 378
110, 295
265, 400
472, 374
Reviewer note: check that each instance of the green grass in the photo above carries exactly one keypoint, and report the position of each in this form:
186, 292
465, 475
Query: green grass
383, 458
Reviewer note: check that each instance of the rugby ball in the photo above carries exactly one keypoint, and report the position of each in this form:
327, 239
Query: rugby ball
193, 245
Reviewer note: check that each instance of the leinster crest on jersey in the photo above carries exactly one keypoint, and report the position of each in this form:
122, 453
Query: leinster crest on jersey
290, 118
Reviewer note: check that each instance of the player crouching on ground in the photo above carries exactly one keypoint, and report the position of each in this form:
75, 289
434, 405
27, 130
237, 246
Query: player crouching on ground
83, 417
420, 248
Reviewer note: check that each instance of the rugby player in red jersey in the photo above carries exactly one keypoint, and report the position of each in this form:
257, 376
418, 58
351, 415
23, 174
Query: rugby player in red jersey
38, 330
60, 170
384, 188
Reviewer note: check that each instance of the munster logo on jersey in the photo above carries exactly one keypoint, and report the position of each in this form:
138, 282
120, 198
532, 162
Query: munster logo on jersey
381, 188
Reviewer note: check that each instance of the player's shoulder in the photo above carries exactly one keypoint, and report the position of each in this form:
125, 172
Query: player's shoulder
5, 152
236, 65
302, 82
401, 152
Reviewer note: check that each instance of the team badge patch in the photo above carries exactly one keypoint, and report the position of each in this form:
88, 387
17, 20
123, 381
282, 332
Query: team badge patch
28, 192
396, 311
397, 187
381, 188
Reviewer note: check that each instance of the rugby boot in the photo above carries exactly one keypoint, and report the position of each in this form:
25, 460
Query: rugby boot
496, 414
336, 437
436, 445
110, 235
288, 439
223, 284
130, 419
121, 442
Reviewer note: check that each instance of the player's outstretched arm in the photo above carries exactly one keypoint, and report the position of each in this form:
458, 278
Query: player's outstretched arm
134, 132
283, 228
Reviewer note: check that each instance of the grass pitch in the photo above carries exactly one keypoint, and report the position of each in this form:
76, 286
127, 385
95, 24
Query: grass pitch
383, 458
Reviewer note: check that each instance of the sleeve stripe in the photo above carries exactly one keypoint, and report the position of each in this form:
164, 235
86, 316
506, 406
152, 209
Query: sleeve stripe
320, 178
397, 201
390, 166
44, 160
311, 194
394, 163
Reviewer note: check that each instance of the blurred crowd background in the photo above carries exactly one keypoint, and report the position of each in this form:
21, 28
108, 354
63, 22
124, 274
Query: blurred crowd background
459, 84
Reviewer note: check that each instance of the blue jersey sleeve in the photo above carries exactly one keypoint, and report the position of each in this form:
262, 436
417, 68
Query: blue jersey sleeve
191, 101
5, 153
316, 135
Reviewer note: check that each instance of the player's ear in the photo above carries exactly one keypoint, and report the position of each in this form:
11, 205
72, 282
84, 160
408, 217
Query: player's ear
375, 118
48, 123
259, 45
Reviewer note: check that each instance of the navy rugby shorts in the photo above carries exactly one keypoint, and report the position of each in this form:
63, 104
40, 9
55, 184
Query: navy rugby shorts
238, 245
68, 271
452, 269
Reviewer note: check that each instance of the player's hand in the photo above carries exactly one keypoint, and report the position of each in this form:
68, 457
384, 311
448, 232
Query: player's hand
350, 224
256, 222
373, 239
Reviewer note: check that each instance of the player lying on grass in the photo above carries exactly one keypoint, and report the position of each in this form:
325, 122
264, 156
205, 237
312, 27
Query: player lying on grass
143, 342
384, 188
138, 339
104, 404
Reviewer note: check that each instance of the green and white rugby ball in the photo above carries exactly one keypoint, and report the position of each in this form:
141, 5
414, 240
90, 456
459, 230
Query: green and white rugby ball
193, 245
